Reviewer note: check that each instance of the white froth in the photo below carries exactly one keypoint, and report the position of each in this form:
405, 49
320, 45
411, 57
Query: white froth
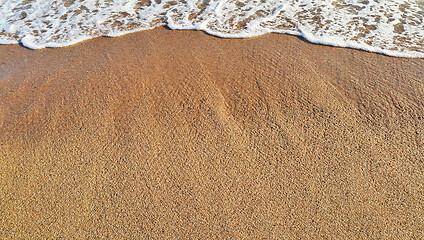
391, 27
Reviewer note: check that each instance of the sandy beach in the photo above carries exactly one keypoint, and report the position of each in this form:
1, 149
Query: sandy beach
181, 135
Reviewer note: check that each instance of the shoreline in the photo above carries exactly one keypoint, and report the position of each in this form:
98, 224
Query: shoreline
301, 36
178, 134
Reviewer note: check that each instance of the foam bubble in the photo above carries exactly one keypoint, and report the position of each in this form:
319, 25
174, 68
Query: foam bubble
391, 27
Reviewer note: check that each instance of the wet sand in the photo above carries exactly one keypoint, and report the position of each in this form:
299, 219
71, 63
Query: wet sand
180, 135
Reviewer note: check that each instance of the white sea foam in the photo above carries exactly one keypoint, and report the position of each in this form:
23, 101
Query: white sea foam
391, 27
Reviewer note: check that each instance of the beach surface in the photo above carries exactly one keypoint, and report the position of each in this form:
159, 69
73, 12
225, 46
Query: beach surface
180, 135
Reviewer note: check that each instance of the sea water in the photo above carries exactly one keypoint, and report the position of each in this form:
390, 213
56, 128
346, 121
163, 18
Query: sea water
391, 27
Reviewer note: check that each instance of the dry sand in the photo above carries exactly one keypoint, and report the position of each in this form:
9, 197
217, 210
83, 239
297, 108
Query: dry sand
178, 134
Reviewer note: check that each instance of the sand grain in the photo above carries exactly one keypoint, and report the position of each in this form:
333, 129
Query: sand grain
169, 134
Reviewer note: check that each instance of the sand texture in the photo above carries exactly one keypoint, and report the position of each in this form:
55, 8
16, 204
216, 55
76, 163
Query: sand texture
180, 135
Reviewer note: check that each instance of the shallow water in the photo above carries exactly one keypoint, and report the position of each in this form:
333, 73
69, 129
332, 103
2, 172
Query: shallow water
391, 27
